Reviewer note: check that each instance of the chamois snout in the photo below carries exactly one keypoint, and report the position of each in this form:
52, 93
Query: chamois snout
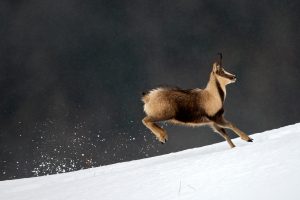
230, 77
233, 78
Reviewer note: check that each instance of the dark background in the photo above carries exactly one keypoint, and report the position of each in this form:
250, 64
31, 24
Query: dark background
72, 73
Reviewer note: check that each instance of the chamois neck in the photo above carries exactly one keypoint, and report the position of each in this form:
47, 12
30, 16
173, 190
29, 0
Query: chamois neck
215, 87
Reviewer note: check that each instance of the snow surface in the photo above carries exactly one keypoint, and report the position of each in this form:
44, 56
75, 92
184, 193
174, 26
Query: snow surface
268, 168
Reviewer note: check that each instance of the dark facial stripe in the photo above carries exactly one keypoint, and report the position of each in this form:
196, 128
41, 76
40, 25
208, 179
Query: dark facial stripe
220, 90
223, 74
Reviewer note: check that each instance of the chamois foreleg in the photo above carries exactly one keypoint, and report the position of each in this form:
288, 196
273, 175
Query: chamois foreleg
222, 132
222, 122
159, 132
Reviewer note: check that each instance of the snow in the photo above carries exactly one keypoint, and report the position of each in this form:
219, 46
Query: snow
268, 168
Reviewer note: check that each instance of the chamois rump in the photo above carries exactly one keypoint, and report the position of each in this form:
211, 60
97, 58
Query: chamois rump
194, 107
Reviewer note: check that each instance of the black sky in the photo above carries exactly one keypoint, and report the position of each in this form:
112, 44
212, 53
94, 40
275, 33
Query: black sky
72, 72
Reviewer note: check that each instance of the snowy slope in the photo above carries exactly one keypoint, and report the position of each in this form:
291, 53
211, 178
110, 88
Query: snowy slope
268, 168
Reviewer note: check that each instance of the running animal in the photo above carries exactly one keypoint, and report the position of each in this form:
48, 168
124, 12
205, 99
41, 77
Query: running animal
194, 107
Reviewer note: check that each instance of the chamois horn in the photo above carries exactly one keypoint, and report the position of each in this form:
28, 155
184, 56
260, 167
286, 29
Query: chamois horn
219, 61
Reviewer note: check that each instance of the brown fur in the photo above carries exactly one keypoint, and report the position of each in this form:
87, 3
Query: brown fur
194, 107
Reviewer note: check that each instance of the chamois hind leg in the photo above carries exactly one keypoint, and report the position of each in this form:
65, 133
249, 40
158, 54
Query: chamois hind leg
160, 133
222, 122
222, 132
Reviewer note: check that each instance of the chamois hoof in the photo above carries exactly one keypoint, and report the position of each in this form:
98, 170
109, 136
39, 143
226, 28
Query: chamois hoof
163, 141
250, 140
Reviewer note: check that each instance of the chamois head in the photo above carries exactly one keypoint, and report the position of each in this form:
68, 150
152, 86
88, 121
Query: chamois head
220, 74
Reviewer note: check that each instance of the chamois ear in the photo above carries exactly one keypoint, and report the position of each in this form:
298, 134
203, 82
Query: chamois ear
215, 67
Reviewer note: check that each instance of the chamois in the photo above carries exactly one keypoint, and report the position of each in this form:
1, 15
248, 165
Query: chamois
194, 107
